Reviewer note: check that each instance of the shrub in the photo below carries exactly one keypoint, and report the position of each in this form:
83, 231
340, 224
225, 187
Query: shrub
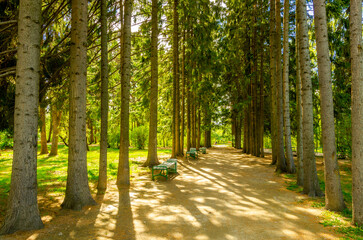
114, 139
139, 137
6, 140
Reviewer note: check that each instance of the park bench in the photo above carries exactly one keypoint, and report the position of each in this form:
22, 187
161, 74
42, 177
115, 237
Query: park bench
169, 166
193, 153
203, 150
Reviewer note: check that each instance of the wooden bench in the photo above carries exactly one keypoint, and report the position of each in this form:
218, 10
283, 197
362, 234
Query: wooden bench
169, 166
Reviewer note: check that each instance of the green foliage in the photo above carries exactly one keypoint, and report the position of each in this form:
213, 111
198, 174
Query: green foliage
6, 140
114, 139
139, 136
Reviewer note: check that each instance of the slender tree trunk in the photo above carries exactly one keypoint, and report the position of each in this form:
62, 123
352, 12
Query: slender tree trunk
152, 158
311, 184
333, 190
22, 210
92, 136
78, 193
57, 115
43, 134
245, 134
299, 143
102, 178
238, 131
281, 161
183, 98
50, 128
123, 174
262, 100
273, 81
189, 124
285, 88
198, 128
356, 53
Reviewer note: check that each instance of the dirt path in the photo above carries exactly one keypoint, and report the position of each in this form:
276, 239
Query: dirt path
223, 195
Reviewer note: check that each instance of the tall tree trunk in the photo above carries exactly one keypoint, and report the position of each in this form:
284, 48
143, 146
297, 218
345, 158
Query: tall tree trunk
22, 210
273, 80
176, 100
57, 115
262, 100
152, 158
189, 118
299, 143
356, 52
198, 128
102, 178
245, 133
333, 190
183, 98
43, 134
238, 131
194, 135
285, 88
311, 184
78, 193
281, 161
123, 174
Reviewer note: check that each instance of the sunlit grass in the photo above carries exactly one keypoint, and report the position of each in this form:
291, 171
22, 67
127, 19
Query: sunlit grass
52, 171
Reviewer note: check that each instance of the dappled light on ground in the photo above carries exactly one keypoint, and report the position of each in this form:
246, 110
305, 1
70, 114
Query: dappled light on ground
223, 195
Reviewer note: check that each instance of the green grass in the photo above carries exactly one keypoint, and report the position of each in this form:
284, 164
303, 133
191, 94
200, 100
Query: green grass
339, 221
52, 171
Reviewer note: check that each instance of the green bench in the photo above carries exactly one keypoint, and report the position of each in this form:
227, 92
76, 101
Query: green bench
193, 153
169, 166
203, 150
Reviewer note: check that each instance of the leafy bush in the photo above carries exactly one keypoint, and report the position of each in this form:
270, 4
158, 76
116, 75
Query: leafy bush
114, 139
6, 140
139, 137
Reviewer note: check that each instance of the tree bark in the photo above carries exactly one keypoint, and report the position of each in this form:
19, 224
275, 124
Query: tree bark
286, 98
123, 175
183, 98
102, 178
262, 100
152, 158
78, 193
43, 134
333, 190
311, 184
281, 161
57, 115
356, 53
273, 80
22, 209
299, 143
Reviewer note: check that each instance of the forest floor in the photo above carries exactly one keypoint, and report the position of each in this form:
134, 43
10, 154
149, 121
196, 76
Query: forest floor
222, 195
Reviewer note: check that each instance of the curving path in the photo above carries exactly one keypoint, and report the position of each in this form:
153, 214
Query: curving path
223, 195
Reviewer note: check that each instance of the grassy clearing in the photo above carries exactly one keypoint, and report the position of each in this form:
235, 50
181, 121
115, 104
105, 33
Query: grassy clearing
52, 173
339, 221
